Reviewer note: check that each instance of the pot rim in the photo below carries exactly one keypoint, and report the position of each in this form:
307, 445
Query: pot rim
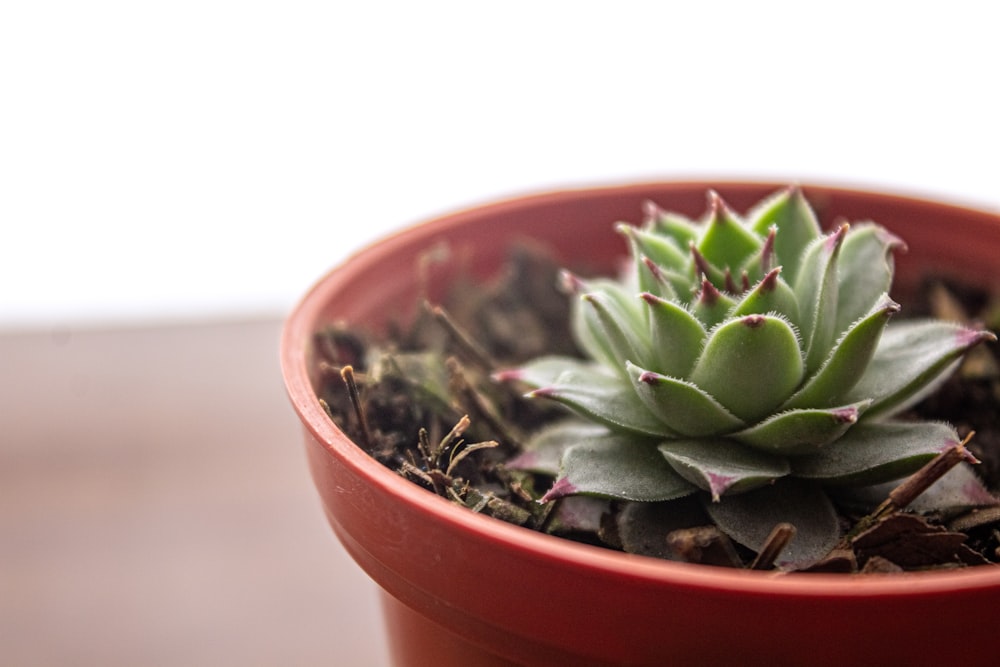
305, 318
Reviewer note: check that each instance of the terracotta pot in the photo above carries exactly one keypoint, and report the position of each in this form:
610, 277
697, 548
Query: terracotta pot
464, 589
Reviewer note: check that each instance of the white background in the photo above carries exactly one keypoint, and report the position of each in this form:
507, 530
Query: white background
180, 159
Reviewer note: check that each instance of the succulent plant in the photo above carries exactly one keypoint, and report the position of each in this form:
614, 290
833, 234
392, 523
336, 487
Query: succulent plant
748, 361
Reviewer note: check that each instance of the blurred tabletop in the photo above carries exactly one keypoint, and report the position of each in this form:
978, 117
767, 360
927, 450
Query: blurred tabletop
156, 509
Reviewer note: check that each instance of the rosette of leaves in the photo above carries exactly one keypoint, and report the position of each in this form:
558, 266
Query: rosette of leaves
748, 361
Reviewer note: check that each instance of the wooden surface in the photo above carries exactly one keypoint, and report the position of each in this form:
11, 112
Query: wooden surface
155, 507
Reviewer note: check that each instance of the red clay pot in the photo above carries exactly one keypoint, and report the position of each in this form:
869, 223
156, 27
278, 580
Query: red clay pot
464, 589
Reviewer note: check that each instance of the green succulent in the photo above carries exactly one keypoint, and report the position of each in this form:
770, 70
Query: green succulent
749, 360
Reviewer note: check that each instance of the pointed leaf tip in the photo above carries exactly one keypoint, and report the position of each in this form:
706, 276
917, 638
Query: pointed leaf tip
649, 377
542, 392
709, 294
562, 488
508, 375
715, 202
836, 238
891, 241
718, 209
770, 281
653, 268
570, 282
846, 415
651, 212
753, 321
966, 338
730, 283
887, 306
719, 484
650, 298
767, 252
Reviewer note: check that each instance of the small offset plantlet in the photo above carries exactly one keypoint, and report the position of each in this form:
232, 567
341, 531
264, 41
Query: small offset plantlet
749, 363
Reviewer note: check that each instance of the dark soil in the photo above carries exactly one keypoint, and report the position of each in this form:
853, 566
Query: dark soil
417, 384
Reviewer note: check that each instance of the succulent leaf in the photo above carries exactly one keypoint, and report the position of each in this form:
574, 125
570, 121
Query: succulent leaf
770, 295
749, 518
765, 349
874, 452
959, 490
619, 466
725, 239
642, 526
684, 408
607, 399
679, 228
707, 271
802, 431
661, 249
654, 279
721, 465
847, 361
865, 269
710, 305
676, 336
761, 262
586, 325
544, 371
796, 224
910, 359
620, 330
817, 292
543, 452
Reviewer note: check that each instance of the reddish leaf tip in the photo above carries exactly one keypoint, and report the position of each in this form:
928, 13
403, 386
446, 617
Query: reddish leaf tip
730, 283
570, 283
653, 268
624, 228
715, 202
709, 294
966, 338
767, 251
891, 241
769, 282
834, 240
962, 450
719, 484
718, 208
649, 377
650, 298
847, 415
563, 487
753, 321
508, 375
889, 307
651, 212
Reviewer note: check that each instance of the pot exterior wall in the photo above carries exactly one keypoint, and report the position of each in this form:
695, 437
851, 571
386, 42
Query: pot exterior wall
524, 598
